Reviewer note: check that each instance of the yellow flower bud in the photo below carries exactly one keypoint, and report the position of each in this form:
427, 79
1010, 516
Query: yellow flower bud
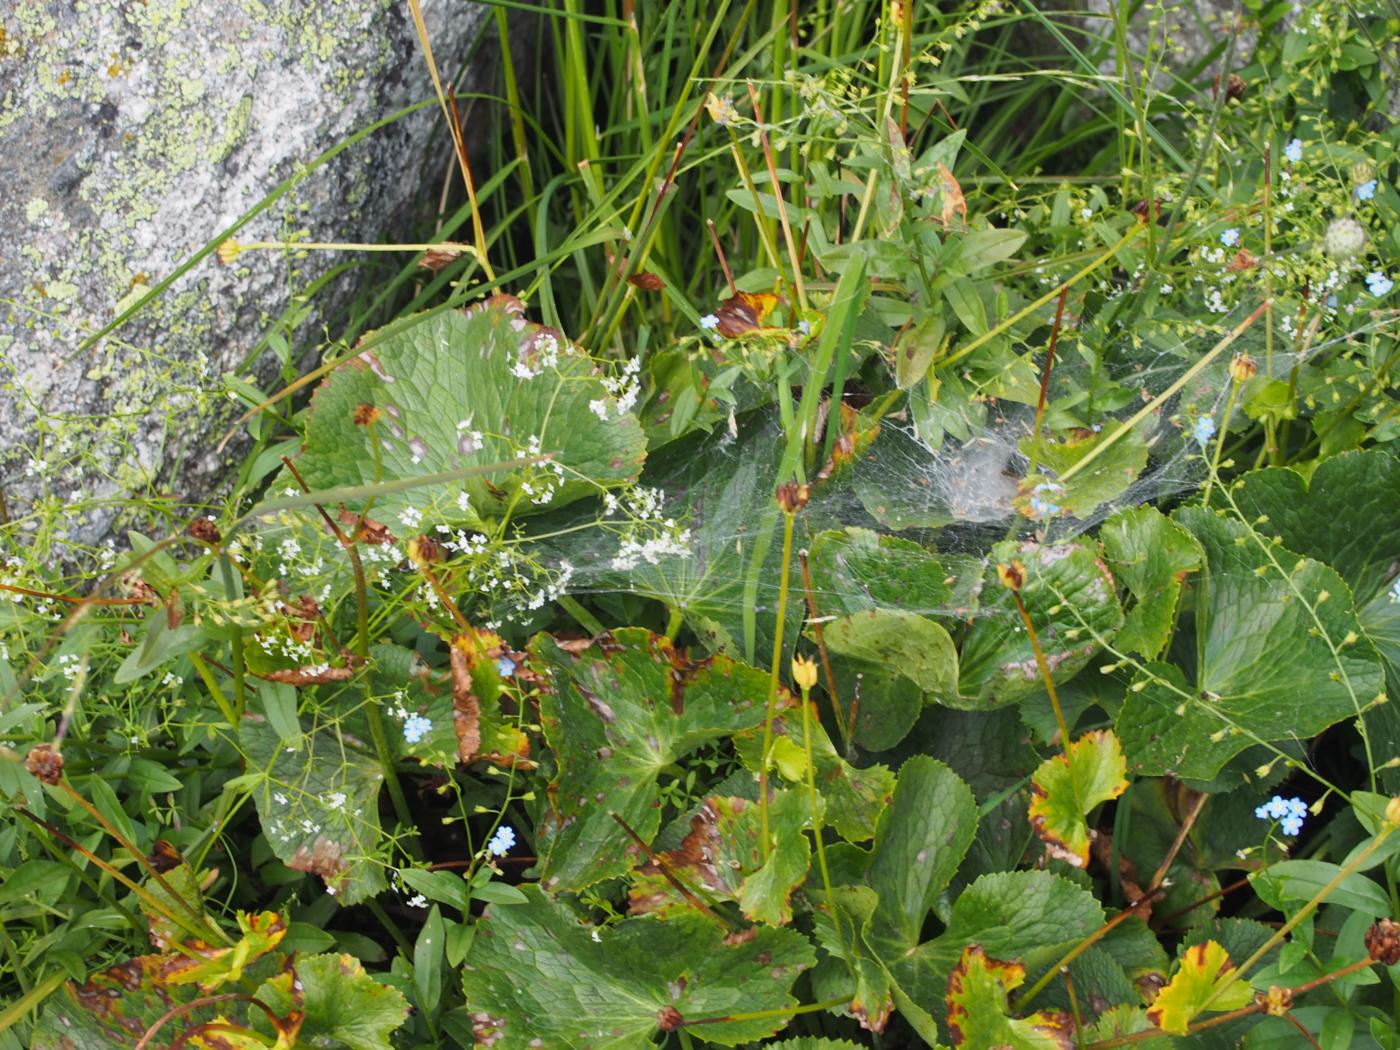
228, 251
1392, 811
804, 673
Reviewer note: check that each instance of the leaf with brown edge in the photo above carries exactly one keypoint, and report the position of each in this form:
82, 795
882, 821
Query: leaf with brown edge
744, 312
977, 1008
721, 856
1204, 969
1067, 787
950, 197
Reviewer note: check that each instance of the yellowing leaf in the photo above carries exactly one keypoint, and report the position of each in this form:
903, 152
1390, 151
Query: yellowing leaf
1065, 788
977, 991
1204, 968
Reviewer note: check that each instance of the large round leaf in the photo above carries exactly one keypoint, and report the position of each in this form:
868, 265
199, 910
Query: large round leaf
458, 389
1273, 658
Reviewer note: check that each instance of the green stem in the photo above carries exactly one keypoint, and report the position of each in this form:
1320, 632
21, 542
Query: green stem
207, 676
1220, 442
788, 517
1357, 863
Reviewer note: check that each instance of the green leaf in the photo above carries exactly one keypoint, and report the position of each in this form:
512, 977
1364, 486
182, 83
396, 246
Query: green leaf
1068, 786
1204, 969
1027, 915
536, 973
1263, 671
442, 376
1301, 880
1151, 554
344, 1006
858, 570
920, 842
618, 714
854, 797
849, 967
160, 645
1066, 588
427, 960
1105, 479
318, 805
915, 349
722, 857
983, 248
1347, 516
977, 1008
885, 641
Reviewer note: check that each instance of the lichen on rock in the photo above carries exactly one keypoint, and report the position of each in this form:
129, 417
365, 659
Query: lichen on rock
130, 135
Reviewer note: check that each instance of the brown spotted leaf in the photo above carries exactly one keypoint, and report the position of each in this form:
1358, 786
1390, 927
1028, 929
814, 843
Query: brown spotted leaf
977, 1008
1068, 786
722, 856
616, 715
744, 312
461, 389
318, 804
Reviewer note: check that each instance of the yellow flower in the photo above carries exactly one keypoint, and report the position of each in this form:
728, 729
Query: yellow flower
804, 673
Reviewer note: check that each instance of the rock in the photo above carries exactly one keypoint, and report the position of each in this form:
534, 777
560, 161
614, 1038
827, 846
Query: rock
130, 135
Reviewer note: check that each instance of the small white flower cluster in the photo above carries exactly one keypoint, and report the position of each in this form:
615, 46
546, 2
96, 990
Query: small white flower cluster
544, 349
70, 664
649, 535
624, 388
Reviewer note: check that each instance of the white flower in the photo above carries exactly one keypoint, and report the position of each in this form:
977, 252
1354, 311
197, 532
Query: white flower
1294, 151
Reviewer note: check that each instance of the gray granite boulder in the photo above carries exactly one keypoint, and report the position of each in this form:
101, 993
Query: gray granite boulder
130, 134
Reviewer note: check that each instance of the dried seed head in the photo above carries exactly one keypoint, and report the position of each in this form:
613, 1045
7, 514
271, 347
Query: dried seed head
1383, 942
436, 258
1012, 576
45, 763
423, 551
1243, 368
204, 530
1345, 237
1234, 86
1276, 1002
365, 414
792, 497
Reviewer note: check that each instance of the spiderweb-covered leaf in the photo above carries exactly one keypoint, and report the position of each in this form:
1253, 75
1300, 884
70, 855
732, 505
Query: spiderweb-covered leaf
317, 802
618, 713
1151, 554
537, 976
1106, 478
340, 1003
977, 1008
1070, 597
438, 381
1068, 786
885, 641
1263, 672
722, 856
856, 570
1204, 969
